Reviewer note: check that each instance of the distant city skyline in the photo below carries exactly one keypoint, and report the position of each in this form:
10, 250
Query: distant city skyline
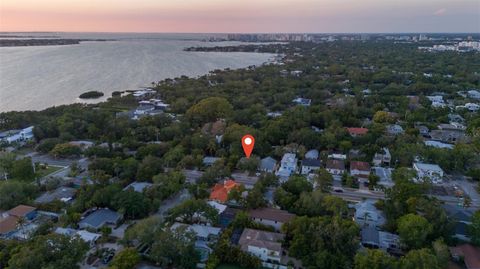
242, 16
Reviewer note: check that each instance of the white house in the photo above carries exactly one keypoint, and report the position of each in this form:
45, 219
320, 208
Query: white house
288, 165
88, 237
266, 246
395, 129
310, 166
474, 94
360, 169
432, 172
17, 136
383, 158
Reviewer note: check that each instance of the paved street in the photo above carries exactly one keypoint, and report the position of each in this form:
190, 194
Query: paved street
172, 202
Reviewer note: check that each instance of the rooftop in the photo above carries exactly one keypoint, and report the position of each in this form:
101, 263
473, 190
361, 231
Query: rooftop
469, 253
61, 193
138, 186
357, 131
362, 166
311, 162
427, 167
335, 164
100, 217
261, 239
21, 210
271, 214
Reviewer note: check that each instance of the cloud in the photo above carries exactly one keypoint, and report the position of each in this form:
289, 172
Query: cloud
440, 12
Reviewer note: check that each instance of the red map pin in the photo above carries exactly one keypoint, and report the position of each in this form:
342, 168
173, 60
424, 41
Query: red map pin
247, 143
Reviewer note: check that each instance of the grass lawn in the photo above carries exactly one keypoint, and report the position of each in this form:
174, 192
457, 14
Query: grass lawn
44, 172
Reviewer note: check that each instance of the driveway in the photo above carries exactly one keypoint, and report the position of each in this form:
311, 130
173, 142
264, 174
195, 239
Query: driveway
183, 195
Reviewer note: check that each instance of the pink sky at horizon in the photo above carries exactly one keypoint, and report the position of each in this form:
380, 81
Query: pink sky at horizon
240, 16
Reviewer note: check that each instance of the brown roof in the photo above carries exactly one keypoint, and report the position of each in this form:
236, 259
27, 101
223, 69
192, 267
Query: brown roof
470, 254
261, 239
271, 214
8, 224
357, 131
335, 164
362, 166
21, 210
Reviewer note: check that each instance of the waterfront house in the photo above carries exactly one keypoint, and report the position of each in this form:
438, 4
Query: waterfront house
17, 136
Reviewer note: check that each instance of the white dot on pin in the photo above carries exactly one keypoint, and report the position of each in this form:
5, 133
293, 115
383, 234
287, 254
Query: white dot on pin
248, 141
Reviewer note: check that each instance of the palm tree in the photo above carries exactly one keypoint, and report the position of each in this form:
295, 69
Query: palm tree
21, 225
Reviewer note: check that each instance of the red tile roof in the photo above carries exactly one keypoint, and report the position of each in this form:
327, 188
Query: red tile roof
357, 131
220, 191
362, 166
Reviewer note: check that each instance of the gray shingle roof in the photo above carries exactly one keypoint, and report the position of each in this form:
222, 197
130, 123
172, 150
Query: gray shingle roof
100, 217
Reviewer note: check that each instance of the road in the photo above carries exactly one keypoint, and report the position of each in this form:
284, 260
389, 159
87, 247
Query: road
354, 195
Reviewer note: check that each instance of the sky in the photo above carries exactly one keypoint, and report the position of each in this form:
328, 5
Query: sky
241, 16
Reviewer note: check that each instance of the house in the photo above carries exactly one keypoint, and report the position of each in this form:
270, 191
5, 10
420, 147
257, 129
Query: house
461, 218
337, 156
100, 218
202, 232
357, 132
209, 161
474, 94
23, 211
335, 167
428, 171
366, 214
83, 144
438, 144
9, 222
373, 238
437, 100
219, 207
138, 186
359, 169
312, 154
448, 136
268, 165
302, 101
394, 129
271, 217
204, 237
8, 226
310, 165
17, 136
64, 194
423, 130
383, 158
384, 175
220, 191
88, 237
467, 253
288, 166
472, 107
266, 246
453, 126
